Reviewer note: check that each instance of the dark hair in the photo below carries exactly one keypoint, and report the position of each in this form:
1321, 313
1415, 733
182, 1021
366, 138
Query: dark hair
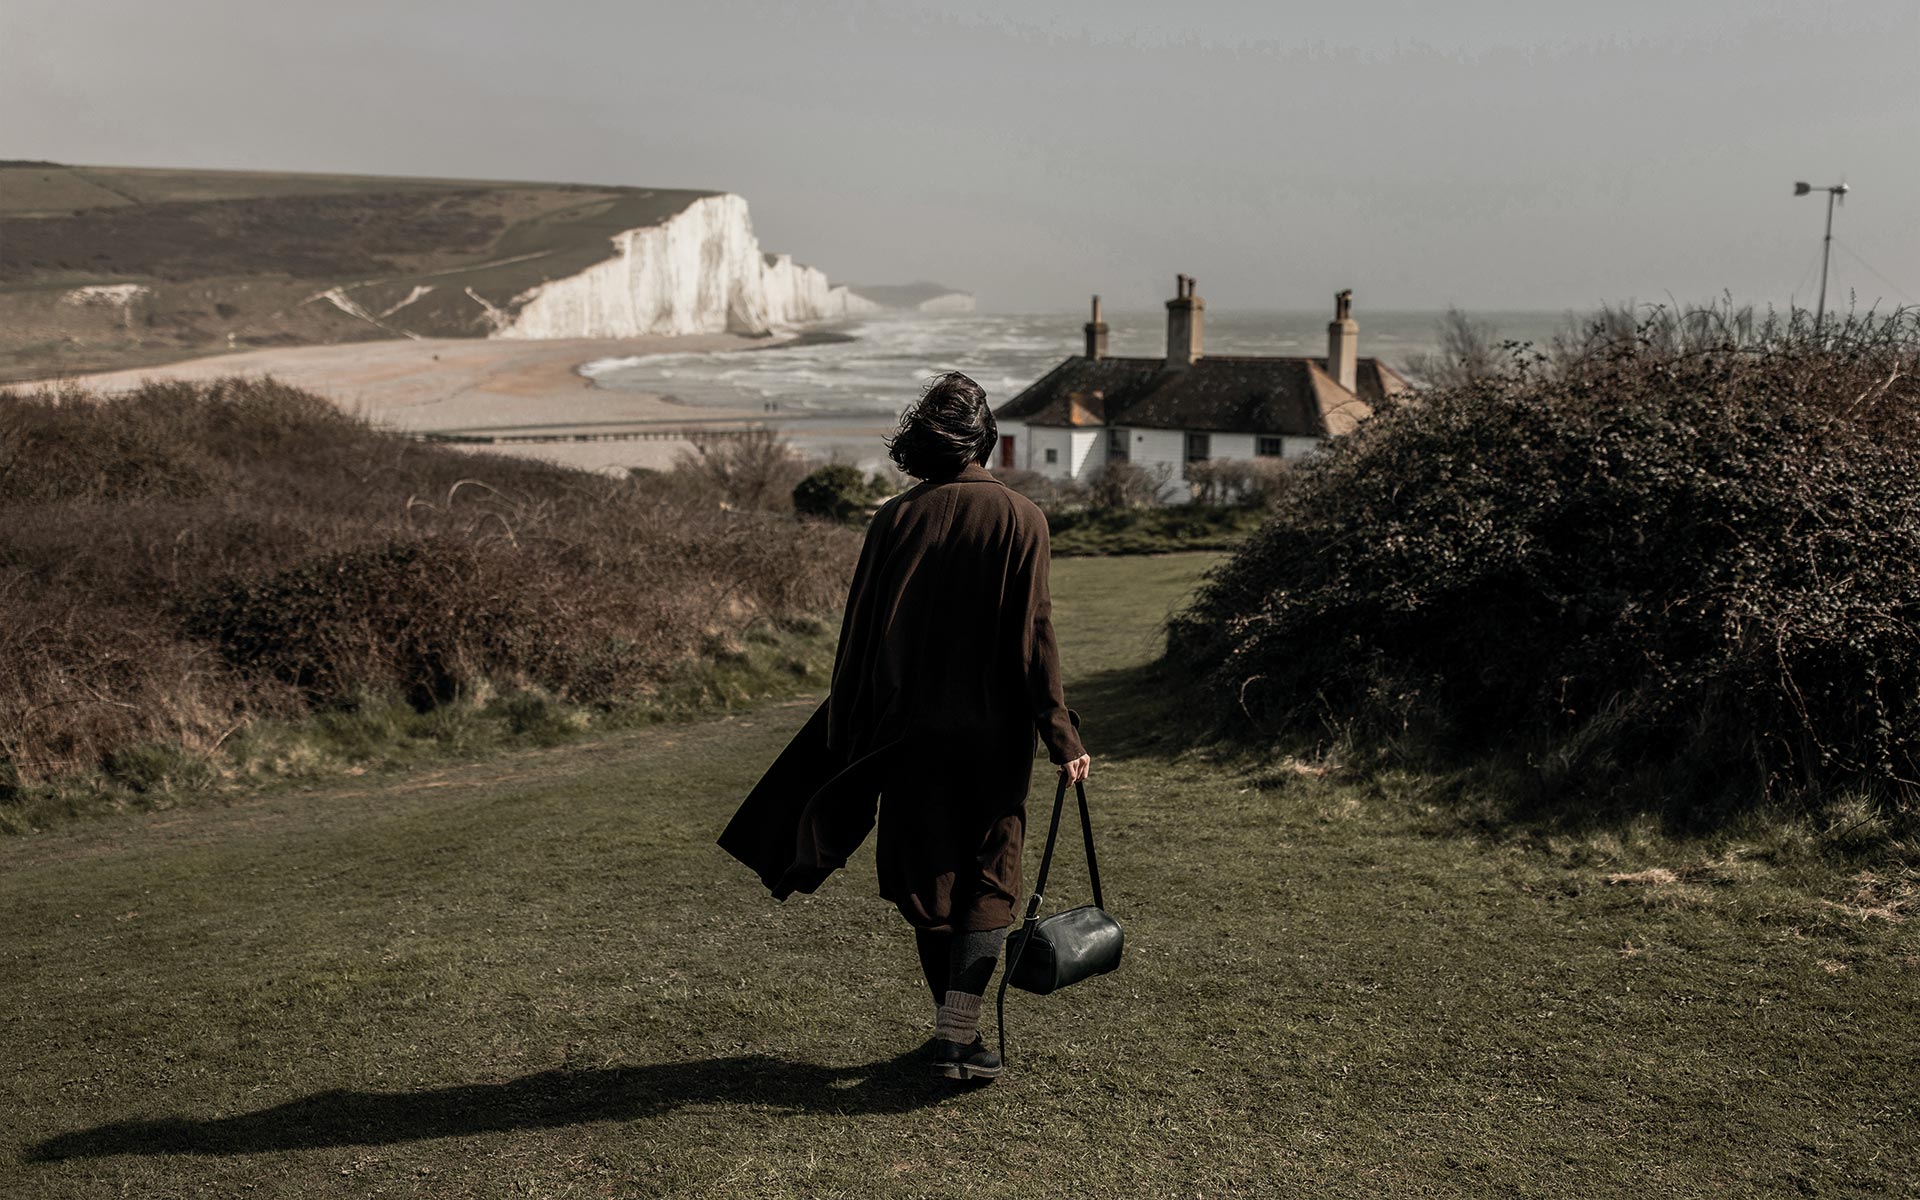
950, 426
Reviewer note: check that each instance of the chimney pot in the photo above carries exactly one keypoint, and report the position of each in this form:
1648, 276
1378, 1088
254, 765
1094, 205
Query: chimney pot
1184, 314
1096, 334
1343, 341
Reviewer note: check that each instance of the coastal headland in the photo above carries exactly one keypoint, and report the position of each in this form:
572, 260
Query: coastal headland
459, 309
112, 267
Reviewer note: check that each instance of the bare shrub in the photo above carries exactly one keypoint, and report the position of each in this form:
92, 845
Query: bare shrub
1616, 329
82, 681
1028, 483
1253, 482
1127, 485
1053, 495
184, 559
755, 469
1469, 351
1265, 482
1209, 479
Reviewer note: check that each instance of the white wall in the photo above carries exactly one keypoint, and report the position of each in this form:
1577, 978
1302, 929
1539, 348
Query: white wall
1247, 445
1230, 445
1077, 453
1089, 451
1040, 440
1080, 453
1157, 448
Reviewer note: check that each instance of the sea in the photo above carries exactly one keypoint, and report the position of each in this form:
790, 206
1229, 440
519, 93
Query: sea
836, 390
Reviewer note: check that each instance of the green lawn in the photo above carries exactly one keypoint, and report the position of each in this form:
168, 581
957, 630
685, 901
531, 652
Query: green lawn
537, 976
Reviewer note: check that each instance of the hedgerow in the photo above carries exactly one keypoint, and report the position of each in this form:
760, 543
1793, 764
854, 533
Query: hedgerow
1676, 577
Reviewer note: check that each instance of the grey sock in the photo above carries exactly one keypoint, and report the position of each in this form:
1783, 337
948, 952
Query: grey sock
972, 959
958, 1018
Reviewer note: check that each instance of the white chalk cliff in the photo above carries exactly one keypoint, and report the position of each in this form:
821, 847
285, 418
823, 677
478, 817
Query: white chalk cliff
699, 271
950, 302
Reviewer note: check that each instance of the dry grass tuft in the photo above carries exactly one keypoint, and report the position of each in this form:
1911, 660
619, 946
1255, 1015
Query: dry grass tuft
1651, 877
1881, 897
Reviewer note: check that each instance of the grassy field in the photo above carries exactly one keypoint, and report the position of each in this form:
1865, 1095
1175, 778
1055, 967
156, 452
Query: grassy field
537, 976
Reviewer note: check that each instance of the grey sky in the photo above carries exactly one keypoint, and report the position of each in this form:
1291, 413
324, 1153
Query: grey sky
1493, 153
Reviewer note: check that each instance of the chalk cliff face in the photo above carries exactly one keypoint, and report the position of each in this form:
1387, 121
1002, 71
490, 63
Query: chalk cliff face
923, 297
951, 302
699, 271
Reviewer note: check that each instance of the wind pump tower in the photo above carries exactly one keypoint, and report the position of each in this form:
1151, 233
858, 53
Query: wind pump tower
1838, 192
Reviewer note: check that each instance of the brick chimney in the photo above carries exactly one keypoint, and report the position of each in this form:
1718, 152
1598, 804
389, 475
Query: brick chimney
1343, 343
1096, 334
1184, 313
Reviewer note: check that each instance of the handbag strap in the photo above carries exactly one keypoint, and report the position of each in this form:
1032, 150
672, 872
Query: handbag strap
1034, 901
1053, 834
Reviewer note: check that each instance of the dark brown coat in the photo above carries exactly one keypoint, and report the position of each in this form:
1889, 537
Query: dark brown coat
946, 676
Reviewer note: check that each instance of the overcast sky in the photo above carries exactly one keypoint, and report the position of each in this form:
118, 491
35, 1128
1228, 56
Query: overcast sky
1498, 154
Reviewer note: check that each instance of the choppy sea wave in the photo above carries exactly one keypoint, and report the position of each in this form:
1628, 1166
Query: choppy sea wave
885, 360
835, 394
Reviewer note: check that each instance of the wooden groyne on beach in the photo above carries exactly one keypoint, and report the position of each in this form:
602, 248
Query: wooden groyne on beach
681, 433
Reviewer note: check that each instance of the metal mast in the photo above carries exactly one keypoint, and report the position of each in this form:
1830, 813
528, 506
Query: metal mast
1826, 245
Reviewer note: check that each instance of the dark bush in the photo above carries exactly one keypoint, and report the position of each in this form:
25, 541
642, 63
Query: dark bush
1679, 578
837, 492
423, 618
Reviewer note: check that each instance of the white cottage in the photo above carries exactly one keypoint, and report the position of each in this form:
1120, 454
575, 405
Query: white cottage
1188, 407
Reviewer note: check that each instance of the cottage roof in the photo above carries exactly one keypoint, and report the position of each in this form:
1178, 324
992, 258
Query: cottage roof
1219, 393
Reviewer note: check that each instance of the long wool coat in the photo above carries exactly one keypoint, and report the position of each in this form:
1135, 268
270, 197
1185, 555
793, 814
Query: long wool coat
946, 675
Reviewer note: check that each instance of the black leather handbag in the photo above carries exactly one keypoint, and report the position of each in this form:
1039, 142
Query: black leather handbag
1046, 955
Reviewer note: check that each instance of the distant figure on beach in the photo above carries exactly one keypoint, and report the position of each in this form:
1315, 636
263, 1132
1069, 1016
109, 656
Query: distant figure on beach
946, 678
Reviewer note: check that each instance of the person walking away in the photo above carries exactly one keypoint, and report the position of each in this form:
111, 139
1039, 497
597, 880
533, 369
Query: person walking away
946, 680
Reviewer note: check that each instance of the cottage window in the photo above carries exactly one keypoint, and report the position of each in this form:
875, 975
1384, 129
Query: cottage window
1117, 448
1269, 446
1199, 447
1053, 456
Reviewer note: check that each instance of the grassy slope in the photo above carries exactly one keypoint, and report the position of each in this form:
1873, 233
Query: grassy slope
1164, 530
51, 189
567, 224
537, 976
174, 232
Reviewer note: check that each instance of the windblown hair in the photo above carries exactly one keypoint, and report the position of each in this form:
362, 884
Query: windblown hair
950, 426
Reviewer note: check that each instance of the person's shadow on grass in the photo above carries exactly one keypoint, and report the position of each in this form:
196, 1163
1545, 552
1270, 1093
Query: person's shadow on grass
544, 1100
